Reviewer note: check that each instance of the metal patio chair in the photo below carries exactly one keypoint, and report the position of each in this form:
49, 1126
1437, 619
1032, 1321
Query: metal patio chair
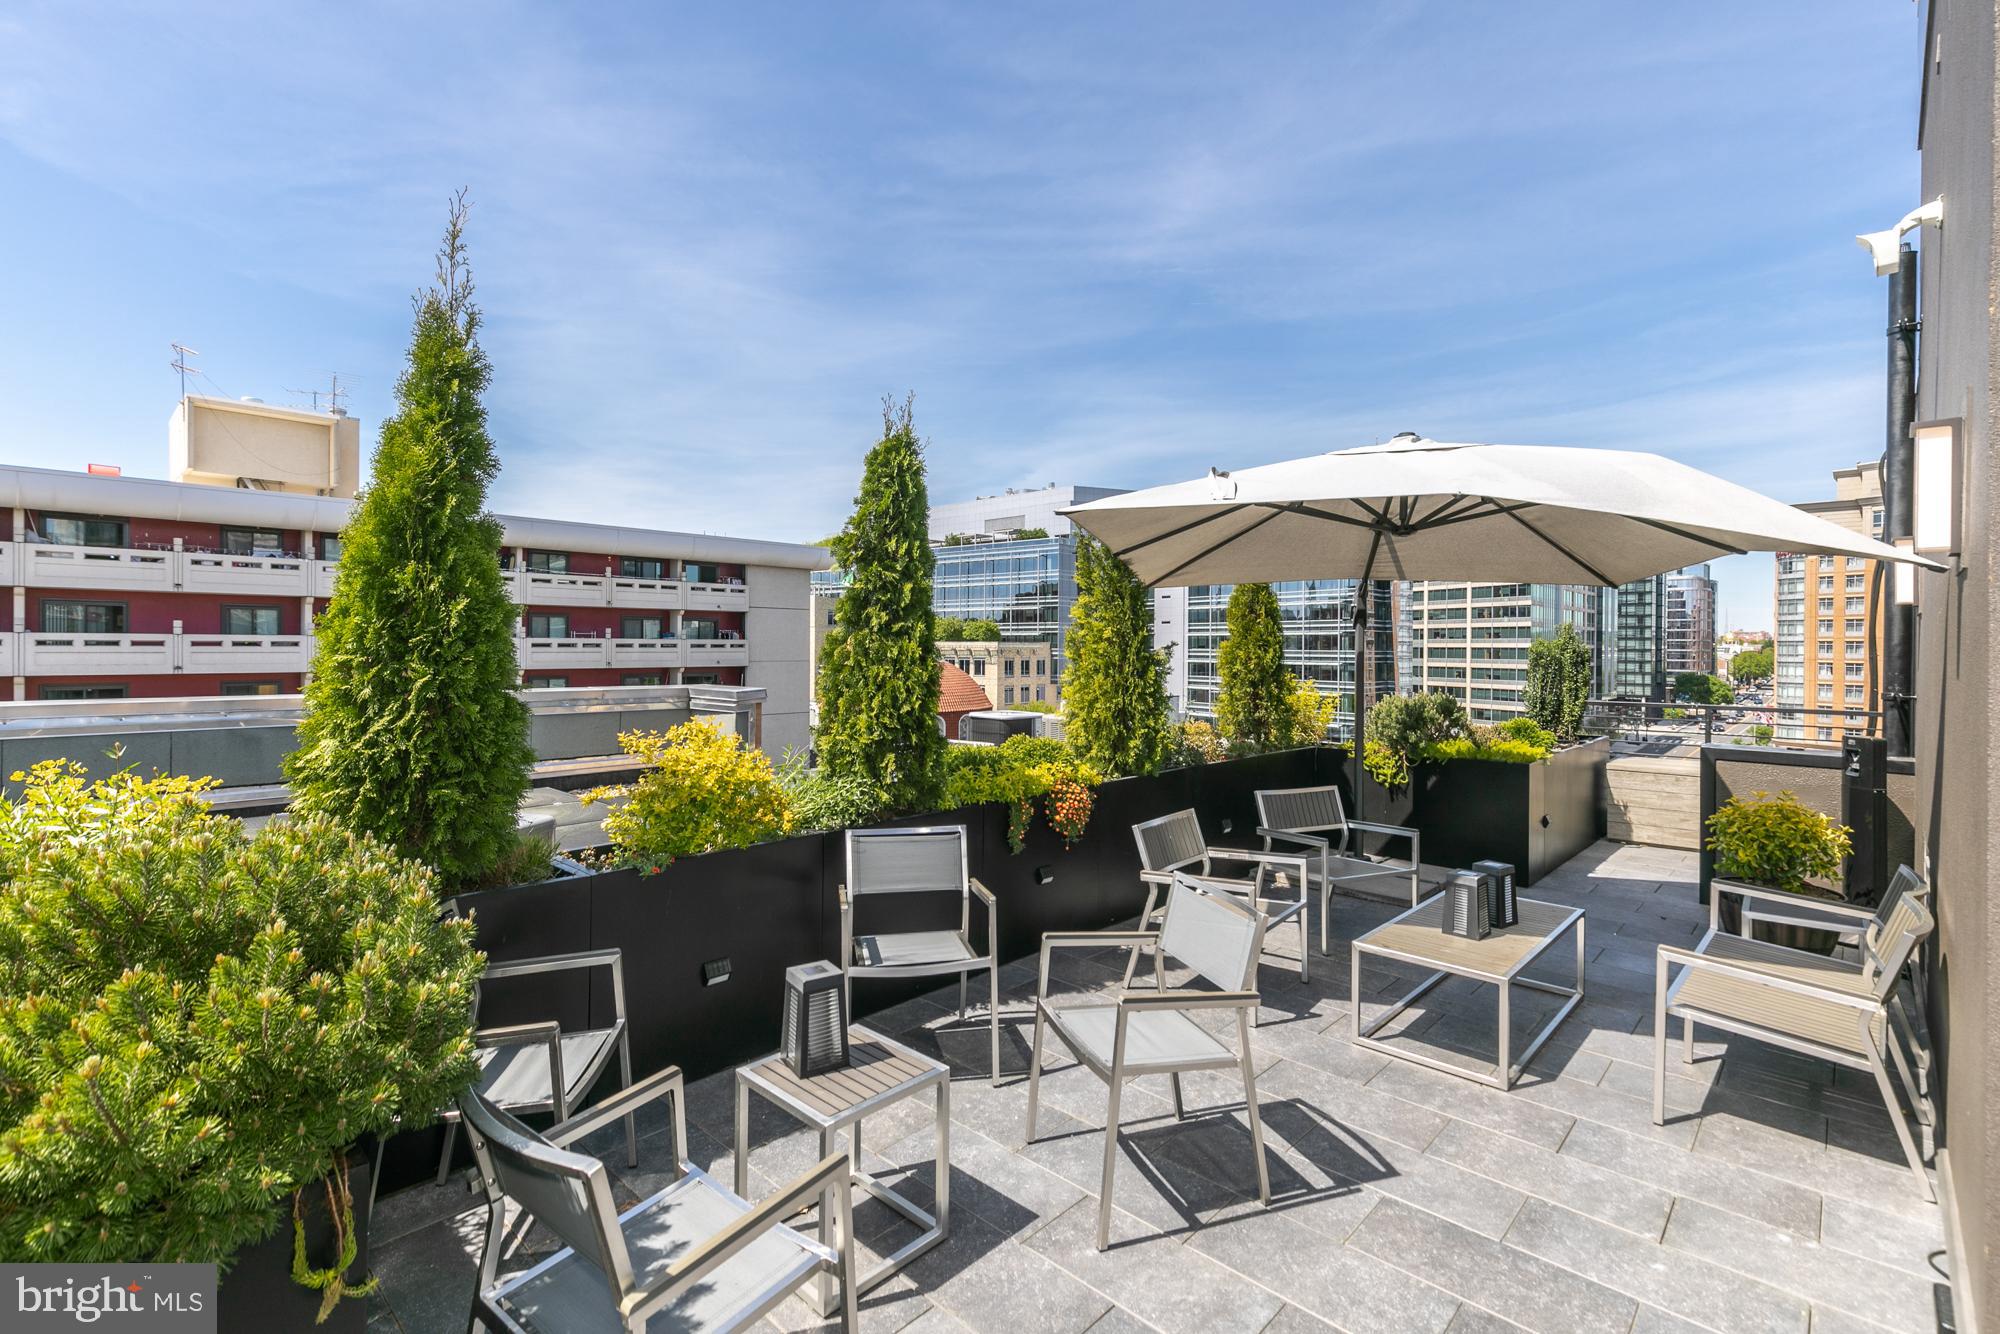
532, 1068
1152, 1032
1809, 1003
693, 1257
918, 861
1312, 817
1170, 844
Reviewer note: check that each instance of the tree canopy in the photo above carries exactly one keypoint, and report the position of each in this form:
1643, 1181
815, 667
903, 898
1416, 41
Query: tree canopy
1558, 682
1115, 690
1254, 706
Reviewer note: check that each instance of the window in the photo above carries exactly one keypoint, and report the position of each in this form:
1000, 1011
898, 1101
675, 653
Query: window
1856, 604
1826, 734
1010, 695
547, 682
1856, 582
643, 627
70, 617
1038, 693
84, 530
252, 541
698, 573
1826, 694
1854, 648
701, 627
641, 567
329, 547
1856, 562
547, 562
979, 666
1856, 694
1826, 604
250, 621
83, 692
548, 625
641, 679
1826, 627
1826, 648
1854, 671
1007, 667
250, 688
1854, 625
701, 678
1826, 583
1041, 667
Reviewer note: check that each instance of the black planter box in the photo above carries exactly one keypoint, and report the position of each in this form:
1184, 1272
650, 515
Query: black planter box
256, 1294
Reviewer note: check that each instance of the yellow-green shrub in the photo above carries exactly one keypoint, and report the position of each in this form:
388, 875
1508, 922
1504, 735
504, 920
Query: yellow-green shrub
703, 790
1776, 841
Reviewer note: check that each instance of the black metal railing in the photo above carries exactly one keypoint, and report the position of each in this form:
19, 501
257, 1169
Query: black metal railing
1661, 720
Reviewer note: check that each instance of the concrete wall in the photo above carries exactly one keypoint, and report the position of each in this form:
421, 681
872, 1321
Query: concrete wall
211, 440
778, 628
1958, 769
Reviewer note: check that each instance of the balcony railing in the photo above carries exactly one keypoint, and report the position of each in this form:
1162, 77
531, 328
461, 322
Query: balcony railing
561, 654
717, 652
42, 654
717, 597
271, 576
533, 588
224, 654
44, 566
646, 653
667, 594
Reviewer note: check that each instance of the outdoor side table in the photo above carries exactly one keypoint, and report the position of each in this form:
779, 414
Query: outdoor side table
879, 1072
1417, 937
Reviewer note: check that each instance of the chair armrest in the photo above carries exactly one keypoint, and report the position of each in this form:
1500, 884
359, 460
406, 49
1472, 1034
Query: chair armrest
1404, 830
550, 963
1249, 855
985, 894
1188, 1000
1669, 954
1295, 836
1839, 907
517, 1035
616, 1107
1054, 940
1157, 877
719, 1249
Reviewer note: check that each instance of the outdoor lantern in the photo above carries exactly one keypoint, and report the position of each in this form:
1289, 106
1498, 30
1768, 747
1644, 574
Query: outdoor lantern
1938, 459
1465, 899
815, 1034
1906, 575
1502, 908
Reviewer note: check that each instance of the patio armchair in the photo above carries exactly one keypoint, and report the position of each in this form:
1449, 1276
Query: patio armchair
1315, 818
1171, 844
694, 1256
1142, 1032
918, 861
1804, 1002
536, 1067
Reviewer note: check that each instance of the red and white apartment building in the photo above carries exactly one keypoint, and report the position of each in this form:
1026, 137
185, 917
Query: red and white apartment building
209, 584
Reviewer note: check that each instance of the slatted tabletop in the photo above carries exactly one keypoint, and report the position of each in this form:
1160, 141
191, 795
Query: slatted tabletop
877, 1070
1419, 934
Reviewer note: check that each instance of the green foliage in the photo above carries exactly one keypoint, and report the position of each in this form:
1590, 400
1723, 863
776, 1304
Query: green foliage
1023, 534
413, 732
821, 800
1196, 742
703, 789
1254, 706
1385, 766
1558, 682
975, 630
1763, 732
1311, 715
1408, 727
1756, 665
1528, 732
1019, 771
1033, 706
879, 672
1702, 688
196, 1022
1504, 749
1776, 841
1115, 694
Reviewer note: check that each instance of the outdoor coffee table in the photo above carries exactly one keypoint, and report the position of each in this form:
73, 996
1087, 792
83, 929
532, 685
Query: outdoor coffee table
1417, 937
878, 1072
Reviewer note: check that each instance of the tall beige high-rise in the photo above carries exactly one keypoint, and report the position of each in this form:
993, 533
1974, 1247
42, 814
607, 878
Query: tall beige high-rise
1829, 635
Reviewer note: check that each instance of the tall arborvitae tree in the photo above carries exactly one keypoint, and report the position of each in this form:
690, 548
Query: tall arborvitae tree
1254, 705
1558, 682
878, 678
413, 730
1115, 688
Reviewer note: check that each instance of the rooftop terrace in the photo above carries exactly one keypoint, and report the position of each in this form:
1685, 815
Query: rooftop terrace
1773, 1199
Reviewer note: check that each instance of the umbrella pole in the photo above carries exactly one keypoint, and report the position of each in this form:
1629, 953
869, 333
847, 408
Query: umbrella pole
1361, 657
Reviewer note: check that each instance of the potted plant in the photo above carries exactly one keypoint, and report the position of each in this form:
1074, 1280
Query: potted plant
198, 1026
1778, 843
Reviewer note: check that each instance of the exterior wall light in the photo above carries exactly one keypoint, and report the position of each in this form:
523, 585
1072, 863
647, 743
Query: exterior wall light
1938, 459
1905, 575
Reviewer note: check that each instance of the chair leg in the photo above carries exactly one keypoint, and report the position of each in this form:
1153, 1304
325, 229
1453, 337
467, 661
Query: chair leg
1325, 914
625, 1082
1659, 1040
848, 1297
1110, 1161
993, 1013
1305, 950
1895, 1110
1256, 1119
1180, 1108
963, 978
1687, 1039
1035, 1072
444, 1159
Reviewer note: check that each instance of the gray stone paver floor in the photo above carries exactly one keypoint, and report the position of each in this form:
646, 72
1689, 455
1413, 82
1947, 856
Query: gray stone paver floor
1404, 1200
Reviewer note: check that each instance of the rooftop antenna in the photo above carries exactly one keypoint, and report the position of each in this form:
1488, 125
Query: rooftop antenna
333, 395
181, 353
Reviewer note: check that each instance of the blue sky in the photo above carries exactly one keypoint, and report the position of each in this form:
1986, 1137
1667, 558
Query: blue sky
1102, 244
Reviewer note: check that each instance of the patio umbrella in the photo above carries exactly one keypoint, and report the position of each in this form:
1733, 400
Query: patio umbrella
1423, 509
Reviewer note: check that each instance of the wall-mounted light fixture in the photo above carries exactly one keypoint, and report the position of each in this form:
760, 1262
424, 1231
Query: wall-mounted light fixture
1938, 462
1905, 576
715, 972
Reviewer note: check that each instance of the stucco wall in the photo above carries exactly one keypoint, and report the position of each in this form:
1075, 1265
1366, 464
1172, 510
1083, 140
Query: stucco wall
1958, 770
778, 629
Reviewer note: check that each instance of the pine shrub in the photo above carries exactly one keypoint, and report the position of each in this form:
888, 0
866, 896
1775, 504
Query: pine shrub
1115, 690
197, 1023
1254, 707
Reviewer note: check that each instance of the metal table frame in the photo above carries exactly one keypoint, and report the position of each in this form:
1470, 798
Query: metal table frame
1505, 1070
934, 1229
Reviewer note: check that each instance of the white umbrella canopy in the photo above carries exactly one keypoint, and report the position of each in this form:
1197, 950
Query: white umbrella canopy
1423, 509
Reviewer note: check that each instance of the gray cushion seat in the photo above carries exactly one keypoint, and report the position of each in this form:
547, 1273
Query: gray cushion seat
568, 1293
1823, 1021
1167, 1039
517, 1074
947, 950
